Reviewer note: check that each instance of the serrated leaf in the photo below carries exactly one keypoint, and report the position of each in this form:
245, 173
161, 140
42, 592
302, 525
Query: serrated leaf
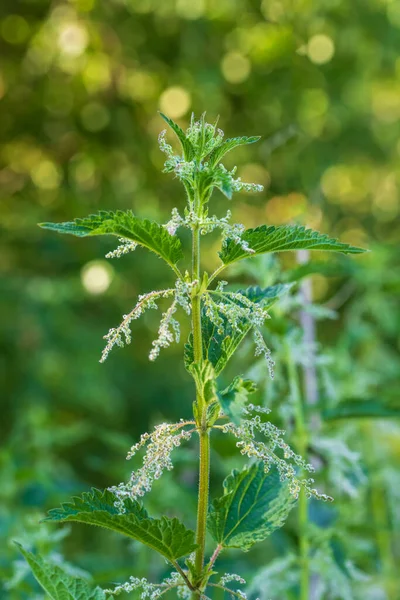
218, 348
229, 144
58, 584
254, 505
124, 224
234, 398
187, 146
167, 536
362, 409
282, 238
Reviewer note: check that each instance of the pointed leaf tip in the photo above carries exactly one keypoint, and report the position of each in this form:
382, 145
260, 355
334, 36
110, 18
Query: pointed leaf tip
125, 224
281, 238
167, 536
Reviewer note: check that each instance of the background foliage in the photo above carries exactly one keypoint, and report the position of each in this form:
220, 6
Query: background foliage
80, 86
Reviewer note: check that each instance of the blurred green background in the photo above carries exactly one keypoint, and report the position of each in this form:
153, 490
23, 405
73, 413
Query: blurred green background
80, 86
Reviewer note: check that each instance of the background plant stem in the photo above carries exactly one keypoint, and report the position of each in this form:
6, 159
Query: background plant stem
302, 442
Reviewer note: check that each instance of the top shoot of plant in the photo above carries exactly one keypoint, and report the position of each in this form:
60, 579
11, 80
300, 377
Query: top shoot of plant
256, 500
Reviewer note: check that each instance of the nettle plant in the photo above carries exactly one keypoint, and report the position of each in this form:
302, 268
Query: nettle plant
256, 500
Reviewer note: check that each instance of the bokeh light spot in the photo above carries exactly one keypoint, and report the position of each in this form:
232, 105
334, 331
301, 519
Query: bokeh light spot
255, 173
320, 49
72, 39
235, 67
14, 29
175, 102
190, 9
46, 175
95, 116
96, 276
97, 74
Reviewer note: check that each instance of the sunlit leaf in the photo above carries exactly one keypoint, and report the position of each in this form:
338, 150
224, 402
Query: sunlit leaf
278, 239
123, 224
167, 536
254, 505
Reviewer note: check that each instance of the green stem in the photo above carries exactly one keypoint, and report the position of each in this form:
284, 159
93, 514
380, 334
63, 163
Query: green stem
302, 443
204, 435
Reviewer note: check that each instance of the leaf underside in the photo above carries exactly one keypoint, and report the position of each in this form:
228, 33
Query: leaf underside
58, 584
167, 536
218, 348
229, 144
254, 505
187, 146
233, 399
124, 224
282, 238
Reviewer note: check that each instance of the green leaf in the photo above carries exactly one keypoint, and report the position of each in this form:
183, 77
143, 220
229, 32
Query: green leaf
278, 239
218, 348
146, 233
229, 144
362, 409
187, 146
254, 504
234, 398
204, 377
58, 584
167, 536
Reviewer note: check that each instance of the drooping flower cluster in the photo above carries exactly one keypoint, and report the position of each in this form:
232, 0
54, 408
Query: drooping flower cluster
159, 446
152, 591
121, 335
125, 247
169, 329
240, 312
274, 451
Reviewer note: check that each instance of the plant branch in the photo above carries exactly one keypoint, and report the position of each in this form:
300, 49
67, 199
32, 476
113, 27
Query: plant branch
217, 272
222, 587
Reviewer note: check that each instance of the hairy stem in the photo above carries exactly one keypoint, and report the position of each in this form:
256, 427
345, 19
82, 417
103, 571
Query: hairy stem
302, 443
204, 436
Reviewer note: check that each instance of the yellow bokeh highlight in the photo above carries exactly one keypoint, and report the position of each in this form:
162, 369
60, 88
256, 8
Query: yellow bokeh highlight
385, 101
96, 276
255, 173
140, 86
175, 102
313, 107
72, 39
320, 49
46, 175
273, 10
83, 171
268, 42
97, 73
190, 9
235, 67
284, 209
355, 185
